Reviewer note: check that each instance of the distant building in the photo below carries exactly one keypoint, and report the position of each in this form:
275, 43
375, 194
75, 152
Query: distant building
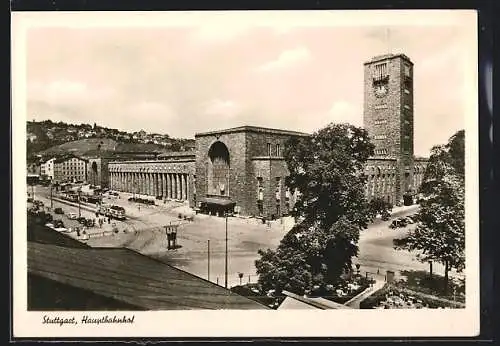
70, 168
47, 169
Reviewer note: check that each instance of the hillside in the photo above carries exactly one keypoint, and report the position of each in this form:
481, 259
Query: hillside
50, 138
100, 146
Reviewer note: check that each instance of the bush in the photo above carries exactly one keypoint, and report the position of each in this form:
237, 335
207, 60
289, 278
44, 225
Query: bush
427, 300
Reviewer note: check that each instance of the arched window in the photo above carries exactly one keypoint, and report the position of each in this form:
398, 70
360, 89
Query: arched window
218, 169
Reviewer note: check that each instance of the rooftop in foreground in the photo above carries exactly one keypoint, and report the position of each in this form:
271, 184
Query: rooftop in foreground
131, 278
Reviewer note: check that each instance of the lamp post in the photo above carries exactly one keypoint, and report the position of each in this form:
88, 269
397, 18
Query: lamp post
225, 271
79, 206
51, 189
208, 255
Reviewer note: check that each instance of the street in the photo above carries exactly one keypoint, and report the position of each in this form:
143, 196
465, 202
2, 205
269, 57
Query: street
143, 232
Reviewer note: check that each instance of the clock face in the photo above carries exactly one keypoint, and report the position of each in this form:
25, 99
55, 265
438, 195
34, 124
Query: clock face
380, 90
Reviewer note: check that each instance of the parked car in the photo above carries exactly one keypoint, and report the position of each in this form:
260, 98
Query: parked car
72, 216
89, 223
58, 211
399, 223
411, 219
81, 220
30, 200
58, 224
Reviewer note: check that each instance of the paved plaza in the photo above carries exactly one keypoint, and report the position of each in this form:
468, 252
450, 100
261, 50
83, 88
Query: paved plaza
144, 232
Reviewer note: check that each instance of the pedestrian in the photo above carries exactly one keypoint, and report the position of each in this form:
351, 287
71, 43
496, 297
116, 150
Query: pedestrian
109, 220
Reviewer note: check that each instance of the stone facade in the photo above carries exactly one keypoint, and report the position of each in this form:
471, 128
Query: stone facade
245, 165
388, 118
97, 171
257, 170
70, 168
168, 178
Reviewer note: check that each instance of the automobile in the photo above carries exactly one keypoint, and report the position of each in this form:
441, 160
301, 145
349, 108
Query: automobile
58, 211
38, 203
30, 200
89, 223
58, 224
399, 223
72, 216
411, 219
81, 220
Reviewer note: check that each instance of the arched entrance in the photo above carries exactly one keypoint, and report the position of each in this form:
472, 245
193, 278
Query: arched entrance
218, 164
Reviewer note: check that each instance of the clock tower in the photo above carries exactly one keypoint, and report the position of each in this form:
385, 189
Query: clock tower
388, 113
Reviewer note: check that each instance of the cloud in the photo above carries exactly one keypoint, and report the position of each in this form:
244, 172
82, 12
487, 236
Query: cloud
222, 108
345, 112
219, 32
287, 59
67, 93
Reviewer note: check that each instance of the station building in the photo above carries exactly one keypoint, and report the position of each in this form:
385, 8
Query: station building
242, 169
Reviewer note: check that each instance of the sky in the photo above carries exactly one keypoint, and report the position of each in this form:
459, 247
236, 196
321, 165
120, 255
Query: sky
193, 74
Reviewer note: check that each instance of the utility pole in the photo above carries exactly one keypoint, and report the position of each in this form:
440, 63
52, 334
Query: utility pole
79, 207
208, 254
51, 189
225, 271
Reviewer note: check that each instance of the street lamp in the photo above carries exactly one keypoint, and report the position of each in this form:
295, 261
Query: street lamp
51, 189
240, 275
79, 206
225, 272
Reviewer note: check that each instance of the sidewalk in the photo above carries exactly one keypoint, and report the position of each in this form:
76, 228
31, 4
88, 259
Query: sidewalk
355, 301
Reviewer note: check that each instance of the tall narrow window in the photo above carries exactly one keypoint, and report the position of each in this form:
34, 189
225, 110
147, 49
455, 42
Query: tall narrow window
407, 70
278, 188
268, 149
278, 151
260, 189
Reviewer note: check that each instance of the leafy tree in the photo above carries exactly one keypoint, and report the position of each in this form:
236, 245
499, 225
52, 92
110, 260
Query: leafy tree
327, 170
440, 232
380, 206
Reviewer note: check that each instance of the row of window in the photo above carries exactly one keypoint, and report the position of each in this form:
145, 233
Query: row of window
380, 71
381, 151
277, 150
380, 137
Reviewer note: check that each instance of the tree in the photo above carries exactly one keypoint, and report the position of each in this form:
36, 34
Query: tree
440, 232
380, 206
326, 168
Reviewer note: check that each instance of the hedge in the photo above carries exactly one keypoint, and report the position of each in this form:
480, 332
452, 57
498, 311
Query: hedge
431, 301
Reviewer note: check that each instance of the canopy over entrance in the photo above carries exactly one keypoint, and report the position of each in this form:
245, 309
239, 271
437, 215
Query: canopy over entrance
217, 206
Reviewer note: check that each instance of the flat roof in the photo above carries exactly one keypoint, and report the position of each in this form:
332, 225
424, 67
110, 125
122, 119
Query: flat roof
388, 56
128, 276
255, 129
153, 161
